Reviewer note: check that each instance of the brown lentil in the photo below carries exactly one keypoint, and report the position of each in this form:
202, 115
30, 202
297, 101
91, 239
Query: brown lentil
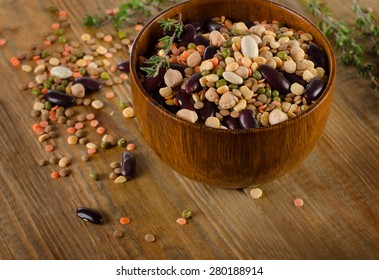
118, 233
149, 237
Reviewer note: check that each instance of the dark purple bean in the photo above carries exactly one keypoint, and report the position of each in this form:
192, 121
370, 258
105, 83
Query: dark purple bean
198, 24
213, 25
209, 52
201, 40
89, 215
151, 84
246, 119
249, 23
178, 67
91, 85
209, 110
188, 35
193, 83
59, 98
318, 56
314, 89
293, 78
275, 79
128, 164
124, 66
231, 123
185, 100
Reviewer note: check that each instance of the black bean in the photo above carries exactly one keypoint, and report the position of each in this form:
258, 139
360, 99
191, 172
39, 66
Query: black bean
318, 56
91, 85
124, 66
314, 89
231, 123
151, 84
193, 84
181, 68
213, 25
89, 215
128, 164
188, 35
59, 98
247, 120
275, 79
185, 100
198, 24
201, 40
209, 52
209, 110
293, 78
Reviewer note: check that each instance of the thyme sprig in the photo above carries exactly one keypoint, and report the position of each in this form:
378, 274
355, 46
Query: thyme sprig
352, 52
129, 13
156, 62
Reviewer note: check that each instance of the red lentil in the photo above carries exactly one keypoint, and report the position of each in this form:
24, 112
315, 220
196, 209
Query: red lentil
181, 221
49, 148
2, 41
100, 130
131, 147
125, 220
298, 202
79, 125
55, 175
94, 123
71, 130
109, 94
91, 151
90, 116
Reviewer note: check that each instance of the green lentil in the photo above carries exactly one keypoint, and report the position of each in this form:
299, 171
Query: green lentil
186, 214
268, 92
122, 142
191, 46
47, 84
45, 54
261, 90
58, 32
123, 105
36, 92
82, 71
54, 160
228, 43
104, 75
205, 73
225, 53
276, 98
121, 34
282, 55
94, 176
233, 86
62, 40
275, 93
221, 82
219, 72
105, 145
61, 88
257, 75
48, 105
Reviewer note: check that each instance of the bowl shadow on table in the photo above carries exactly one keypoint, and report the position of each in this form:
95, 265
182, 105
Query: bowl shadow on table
229, 158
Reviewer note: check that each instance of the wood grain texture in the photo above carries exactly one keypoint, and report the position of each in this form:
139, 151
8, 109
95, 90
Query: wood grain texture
338, 180
229, 158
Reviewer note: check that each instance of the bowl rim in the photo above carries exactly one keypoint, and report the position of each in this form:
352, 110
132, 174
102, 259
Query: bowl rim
327, 91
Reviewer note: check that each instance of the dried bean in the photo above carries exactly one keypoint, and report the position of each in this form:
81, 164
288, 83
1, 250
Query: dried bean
213, 25
201, 40
185, 100
91, 85
314, 89
247, 120
188, 35
59, 98
275, 79
89, 215
151, 84
128, 164
124, 66
193, 84
209, 52
208, 110
318, 56
231, 123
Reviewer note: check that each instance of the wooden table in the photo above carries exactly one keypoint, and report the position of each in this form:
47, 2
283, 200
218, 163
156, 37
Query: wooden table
339, 181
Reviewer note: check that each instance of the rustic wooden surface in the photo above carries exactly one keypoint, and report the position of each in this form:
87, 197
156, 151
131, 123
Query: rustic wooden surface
339, 181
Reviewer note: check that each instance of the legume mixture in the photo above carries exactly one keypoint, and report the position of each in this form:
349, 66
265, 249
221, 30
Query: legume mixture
64, 77
239, 75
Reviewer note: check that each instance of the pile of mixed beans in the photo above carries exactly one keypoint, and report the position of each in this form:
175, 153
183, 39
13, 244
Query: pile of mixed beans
239, 75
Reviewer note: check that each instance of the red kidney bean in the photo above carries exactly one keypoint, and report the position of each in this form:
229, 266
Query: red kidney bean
209, 52
318, 56
201, 40
124, 66
59, 98
91, 85
293, 78
193, 84
314, 89
213, 25
151, 84
128, 164
247, 120
89, 215
209, 110
188, 35
185, 100
275, 79
231, 123
249, 23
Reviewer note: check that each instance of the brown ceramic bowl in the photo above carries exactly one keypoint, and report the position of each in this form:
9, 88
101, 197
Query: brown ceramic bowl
229, 158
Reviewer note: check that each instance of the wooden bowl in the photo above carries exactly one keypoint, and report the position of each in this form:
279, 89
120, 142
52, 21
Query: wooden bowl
229, 158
